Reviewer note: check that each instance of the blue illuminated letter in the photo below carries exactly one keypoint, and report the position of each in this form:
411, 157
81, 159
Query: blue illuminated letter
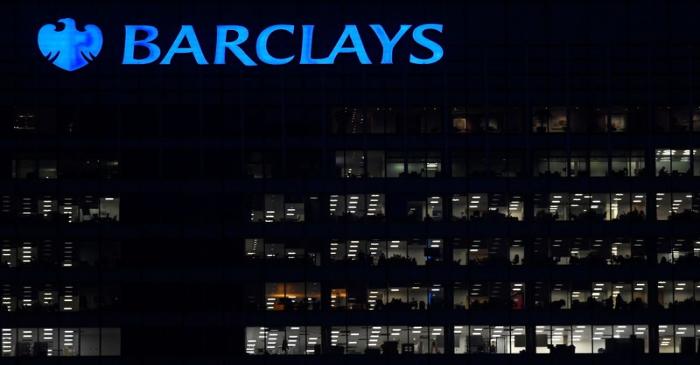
234, 46
388, 44
130, 44
186, 32
431, 45
307, 41
261, 45
357, 47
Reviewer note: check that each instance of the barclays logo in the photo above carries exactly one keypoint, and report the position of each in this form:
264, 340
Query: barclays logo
69, 48
72, 49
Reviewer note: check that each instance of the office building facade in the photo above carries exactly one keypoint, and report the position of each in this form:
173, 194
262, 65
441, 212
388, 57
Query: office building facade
529, 195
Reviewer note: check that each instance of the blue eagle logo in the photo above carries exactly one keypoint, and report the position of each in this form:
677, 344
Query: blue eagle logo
70, 48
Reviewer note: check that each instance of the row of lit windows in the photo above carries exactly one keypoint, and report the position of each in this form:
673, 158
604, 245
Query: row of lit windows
621, 339
599, 295
80, 209
56, 342
379, 164
57, 298
493, 251
614, 206
307, 340
53, 254
472, 162
477, 295
479, 206
47, 298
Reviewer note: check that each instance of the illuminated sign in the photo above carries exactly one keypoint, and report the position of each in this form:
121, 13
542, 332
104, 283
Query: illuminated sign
71, 49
